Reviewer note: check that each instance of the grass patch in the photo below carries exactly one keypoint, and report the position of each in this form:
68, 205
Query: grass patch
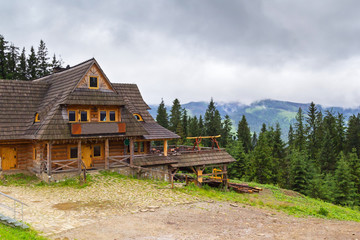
278, 199
10, 233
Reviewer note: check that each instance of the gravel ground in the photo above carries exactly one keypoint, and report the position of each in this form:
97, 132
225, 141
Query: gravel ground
131, 209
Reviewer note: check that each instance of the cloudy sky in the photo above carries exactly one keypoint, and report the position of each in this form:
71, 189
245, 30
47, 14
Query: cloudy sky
193, 50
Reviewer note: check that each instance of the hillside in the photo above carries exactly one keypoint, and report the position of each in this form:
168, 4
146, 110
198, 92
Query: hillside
265, 111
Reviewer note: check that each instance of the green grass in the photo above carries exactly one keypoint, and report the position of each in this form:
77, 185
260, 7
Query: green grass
278, 199
10, 233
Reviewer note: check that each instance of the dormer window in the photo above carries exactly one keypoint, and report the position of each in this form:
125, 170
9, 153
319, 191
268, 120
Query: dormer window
138, 117
37, 118
94, 83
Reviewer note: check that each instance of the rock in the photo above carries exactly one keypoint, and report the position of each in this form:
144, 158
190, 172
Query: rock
144, 210
233, 205
153, 207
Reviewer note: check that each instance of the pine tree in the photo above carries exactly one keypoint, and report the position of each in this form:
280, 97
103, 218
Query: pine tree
237, 169
212, 121
32, 65
194, 127
22, 66
354, 165
328, 154
244, 135
253, 141
226, 135
261, 164
353, 134
162, 116
175, 115
184, 121
312, 129
12, 59
339, 133
42, 60
201, 126
3, 61
298, 173
299, 137
55, 63
344, 191
291, 140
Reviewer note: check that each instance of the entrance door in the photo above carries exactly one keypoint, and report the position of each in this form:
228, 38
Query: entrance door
8, 158
86, 156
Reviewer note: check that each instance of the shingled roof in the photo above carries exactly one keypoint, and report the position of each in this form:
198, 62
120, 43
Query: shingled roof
49, 96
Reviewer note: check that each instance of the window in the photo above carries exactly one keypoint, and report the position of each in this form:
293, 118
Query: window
138, 117
97, 151
37, 117
84, 116
103, 116
112, 116
72, 116
93, 83
141, 147
136, 147
73, 152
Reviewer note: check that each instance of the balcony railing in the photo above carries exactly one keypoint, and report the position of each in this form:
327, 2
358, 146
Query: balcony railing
93, 128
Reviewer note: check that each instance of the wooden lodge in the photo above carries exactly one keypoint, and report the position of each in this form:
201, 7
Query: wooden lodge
76, 119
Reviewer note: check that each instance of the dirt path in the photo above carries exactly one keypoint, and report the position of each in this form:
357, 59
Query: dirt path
133, 209
204, 220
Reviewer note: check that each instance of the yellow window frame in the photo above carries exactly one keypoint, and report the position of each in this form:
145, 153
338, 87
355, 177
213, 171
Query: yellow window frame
37, 118
76, 115
138, 117
108, 115
87, 115
34, 152
97, 80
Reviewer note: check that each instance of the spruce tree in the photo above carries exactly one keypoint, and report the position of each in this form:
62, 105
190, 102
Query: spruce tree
339, 133
312, 130
32, 65
298, 173
184, 121
344, 187
12, 61
244, 135
353, 134
175, 116
212, 121
253, 141
354, 165
299, 138
238, 168
55, 63
226, 135
162, 116
42, 60
194, 127
291, 140
22, 66
201, 126
3, 60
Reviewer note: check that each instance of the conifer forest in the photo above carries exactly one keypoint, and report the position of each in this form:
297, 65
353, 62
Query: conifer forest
320, 158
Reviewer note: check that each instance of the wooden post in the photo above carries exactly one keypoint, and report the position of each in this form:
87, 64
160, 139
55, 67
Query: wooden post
165, 148
131, 151
106, 153
49, 147
79, 156
225, 177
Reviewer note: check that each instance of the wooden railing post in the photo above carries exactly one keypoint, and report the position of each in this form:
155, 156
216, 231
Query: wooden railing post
131, 151
165, 148
106, 153
79, 156
49, 147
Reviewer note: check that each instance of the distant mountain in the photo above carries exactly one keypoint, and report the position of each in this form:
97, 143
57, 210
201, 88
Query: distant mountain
265, 111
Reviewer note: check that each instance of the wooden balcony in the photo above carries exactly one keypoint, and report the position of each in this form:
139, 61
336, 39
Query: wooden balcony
96, 128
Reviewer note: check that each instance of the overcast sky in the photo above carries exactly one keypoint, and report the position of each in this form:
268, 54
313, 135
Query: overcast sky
244, 51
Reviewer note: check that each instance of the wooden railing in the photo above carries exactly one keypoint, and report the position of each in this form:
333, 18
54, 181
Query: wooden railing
118, 161
66, 165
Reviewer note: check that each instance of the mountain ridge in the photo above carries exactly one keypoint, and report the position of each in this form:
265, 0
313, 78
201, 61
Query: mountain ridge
266, 111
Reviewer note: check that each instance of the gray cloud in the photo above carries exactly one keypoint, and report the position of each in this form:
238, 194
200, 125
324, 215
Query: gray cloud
230, 50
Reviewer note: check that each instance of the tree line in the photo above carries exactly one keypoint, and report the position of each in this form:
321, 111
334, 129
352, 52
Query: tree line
23, 66
320, 158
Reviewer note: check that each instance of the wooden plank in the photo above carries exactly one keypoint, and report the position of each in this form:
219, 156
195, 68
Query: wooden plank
131, 151
165, 148
49, 145
106, 153
79, 156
